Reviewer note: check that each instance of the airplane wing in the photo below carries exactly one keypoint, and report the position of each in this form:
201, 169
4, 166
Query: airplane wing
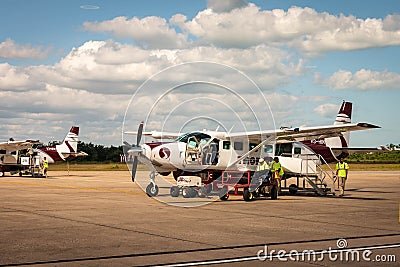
282, 135
11, 146
305, 133
158, 135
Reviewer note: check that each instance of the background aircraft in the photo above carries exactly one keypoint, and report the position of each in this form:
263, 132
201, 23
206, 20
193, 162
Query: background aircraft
9, 152
67, 150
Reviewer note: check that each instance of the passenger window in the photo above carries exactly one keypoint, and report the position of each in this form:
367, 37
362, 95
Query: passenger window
297, 150
226, 145
238, 145
268, 148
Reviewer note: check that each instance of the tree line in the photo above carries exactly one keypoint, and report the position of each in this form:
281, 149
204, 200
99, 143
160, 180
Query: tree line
392, 156
99, 153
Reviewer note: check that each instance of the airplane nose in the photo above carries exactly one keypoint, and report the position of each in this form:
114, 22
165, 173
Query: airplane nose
146, 150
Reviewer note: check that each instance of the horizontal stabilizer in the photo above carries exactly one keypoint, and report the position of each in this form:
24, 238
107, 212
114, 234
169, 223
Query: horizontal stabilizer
352, 150
75, 154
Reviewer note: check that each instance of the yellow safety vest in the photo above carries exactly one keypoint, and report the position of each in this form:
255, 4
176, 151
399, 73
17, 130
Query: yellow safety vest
45, 164
341, 168
276, 166
263, 166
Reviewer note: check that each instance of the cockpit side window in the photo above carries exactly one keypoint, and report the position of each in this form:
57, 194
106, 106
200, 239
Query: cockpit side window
226, 145
183, 138
199, 136
268, 148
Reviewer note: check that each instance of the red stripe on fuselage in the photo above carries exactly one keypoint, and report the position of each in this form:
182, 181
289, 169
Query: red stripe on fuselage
52, 152
322, 150
70, 147
344, 144
156, 144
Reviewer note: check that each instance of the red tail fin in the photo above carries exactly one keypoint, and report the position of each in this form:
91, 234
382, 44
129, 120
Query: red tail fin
344, 114
75, 130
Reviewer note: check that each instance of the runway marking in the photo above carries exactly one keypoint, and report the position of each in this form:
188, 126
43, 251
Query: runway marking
270, 258
78, 188
290, 217
149, 254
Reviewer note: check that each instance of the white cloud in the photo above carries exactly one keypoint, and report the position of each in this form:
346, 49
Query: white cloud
361, 80
149, 32
113, 68
392, 23
227, 24
92, 84
15, 78
10, 50
54, 107
226, 5
302, 28
327, 110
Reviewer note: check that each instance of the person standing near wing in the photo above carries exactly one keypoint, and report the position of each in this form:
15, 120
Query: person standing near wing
277, 172
45, 165
342, 170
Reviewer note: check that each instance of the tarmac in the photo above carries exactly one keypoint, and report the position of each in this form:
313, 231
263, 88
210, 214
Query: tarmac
103, 219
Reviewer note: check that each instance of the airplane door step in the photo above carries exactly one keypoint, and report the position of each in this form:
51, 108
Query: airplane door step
312, 173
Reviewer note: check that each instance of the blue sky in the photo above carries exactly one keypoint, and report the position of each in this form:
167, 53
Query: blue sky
305, 55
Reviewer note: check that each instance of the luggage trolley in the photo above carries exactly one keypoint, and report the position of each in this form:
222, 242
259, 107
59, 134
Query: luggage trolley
254, 186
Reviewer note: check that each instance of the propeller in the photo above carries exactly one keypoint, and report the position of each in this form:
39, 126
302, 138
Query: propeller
135, 150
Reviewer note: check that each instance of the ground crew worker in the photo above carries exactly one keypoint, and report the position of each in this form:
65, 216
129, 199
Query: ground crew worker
277, 171
342, 169
263, 165
260, 177
45, 166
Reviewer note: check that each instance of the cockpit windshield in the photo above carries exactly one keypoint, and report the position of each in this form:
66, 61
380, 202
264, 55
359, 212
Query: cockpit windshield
199, 136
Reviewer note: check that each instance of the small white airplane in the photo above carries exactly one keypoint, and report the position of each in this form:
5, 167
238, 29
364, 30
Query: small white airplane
208, 153
9, 160
67, 150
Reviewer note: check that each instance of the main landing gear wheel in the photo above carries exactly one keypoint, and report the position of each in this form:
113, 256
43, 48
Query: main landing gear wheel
188, 192
293, 189
151, 190
174, 191
224, 193
274, 192
247, 195
224, 197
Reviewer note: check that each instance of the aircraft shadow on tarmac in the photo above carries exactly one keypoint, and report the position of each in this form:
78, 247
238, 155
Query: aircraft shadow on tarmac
304, 194
367, 191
